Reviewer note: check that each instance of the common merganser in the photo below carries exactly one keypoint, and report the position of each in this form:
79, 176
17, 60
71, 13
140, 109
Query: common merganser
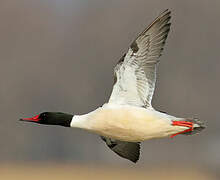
129, 118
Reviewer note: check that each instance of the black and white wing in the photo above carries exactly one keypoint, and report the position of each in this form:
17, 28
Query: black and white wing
127, 150
135, 73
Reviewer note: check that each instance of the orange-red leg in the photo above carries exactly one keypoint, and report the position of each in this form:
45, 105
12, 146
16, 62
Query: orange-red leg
185, 124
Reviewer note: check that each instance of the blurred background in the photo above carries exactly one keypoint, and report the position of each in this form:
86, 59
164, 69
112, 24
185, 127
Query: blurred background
58, 55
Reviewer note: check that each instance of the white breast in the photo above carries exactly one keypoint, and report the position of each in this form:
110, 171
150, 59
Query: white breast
127, 123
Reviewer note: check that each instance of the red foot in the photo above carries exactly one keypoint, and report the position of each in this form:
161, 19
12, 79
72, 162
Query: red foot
182, 123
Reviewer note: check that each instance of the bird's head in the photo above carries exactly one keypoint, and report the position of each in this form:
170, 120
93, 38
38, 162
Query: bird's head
51, 118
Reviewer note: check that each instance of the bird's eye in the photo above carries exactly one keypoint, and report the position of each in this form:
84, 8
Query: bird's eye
43, 115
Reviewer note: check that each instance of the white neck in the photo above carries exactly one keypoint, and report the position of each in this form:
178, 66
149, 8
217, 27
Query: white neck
85, 121
80, 121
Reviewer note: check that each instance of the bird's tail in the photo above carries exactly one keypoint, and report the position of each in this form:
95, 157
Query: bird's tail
194, 125
198, 126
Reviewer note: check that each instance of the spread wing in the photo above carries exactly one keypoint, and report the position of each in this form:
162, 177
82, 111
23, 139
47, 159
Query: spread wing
135, 73
127, 150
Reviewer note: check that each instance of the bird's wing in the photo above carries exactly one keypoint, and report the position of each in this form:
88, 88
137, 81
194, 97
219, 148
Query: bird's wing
135, 73
127, 150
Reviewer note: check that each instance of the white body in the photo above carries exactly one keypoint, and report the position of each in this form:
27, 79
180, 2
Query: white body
127, 123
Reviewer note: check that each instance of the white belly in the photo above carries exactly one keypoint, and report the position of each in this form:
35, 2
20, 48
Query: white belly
129, 123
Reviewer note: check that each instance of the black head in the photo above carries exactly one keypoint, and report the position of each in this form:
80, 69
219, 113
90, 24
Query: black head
51, 118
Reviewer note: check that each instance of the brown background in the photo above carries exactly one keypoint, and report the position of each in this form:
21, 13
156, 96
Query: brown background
58, 55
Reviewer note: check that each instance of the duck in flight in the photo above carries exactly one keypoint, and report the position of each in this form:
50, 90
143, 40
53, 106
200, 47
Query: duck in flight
128, 118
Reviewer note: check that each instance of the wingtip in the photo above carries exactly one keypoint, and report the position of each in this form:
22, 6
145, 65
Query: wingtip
167, 12
136, 160
136, 156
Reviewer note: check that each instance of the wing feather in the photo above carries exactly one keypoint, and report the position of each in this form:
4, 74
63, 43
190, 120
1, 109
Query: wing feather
127, 150
135, 73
